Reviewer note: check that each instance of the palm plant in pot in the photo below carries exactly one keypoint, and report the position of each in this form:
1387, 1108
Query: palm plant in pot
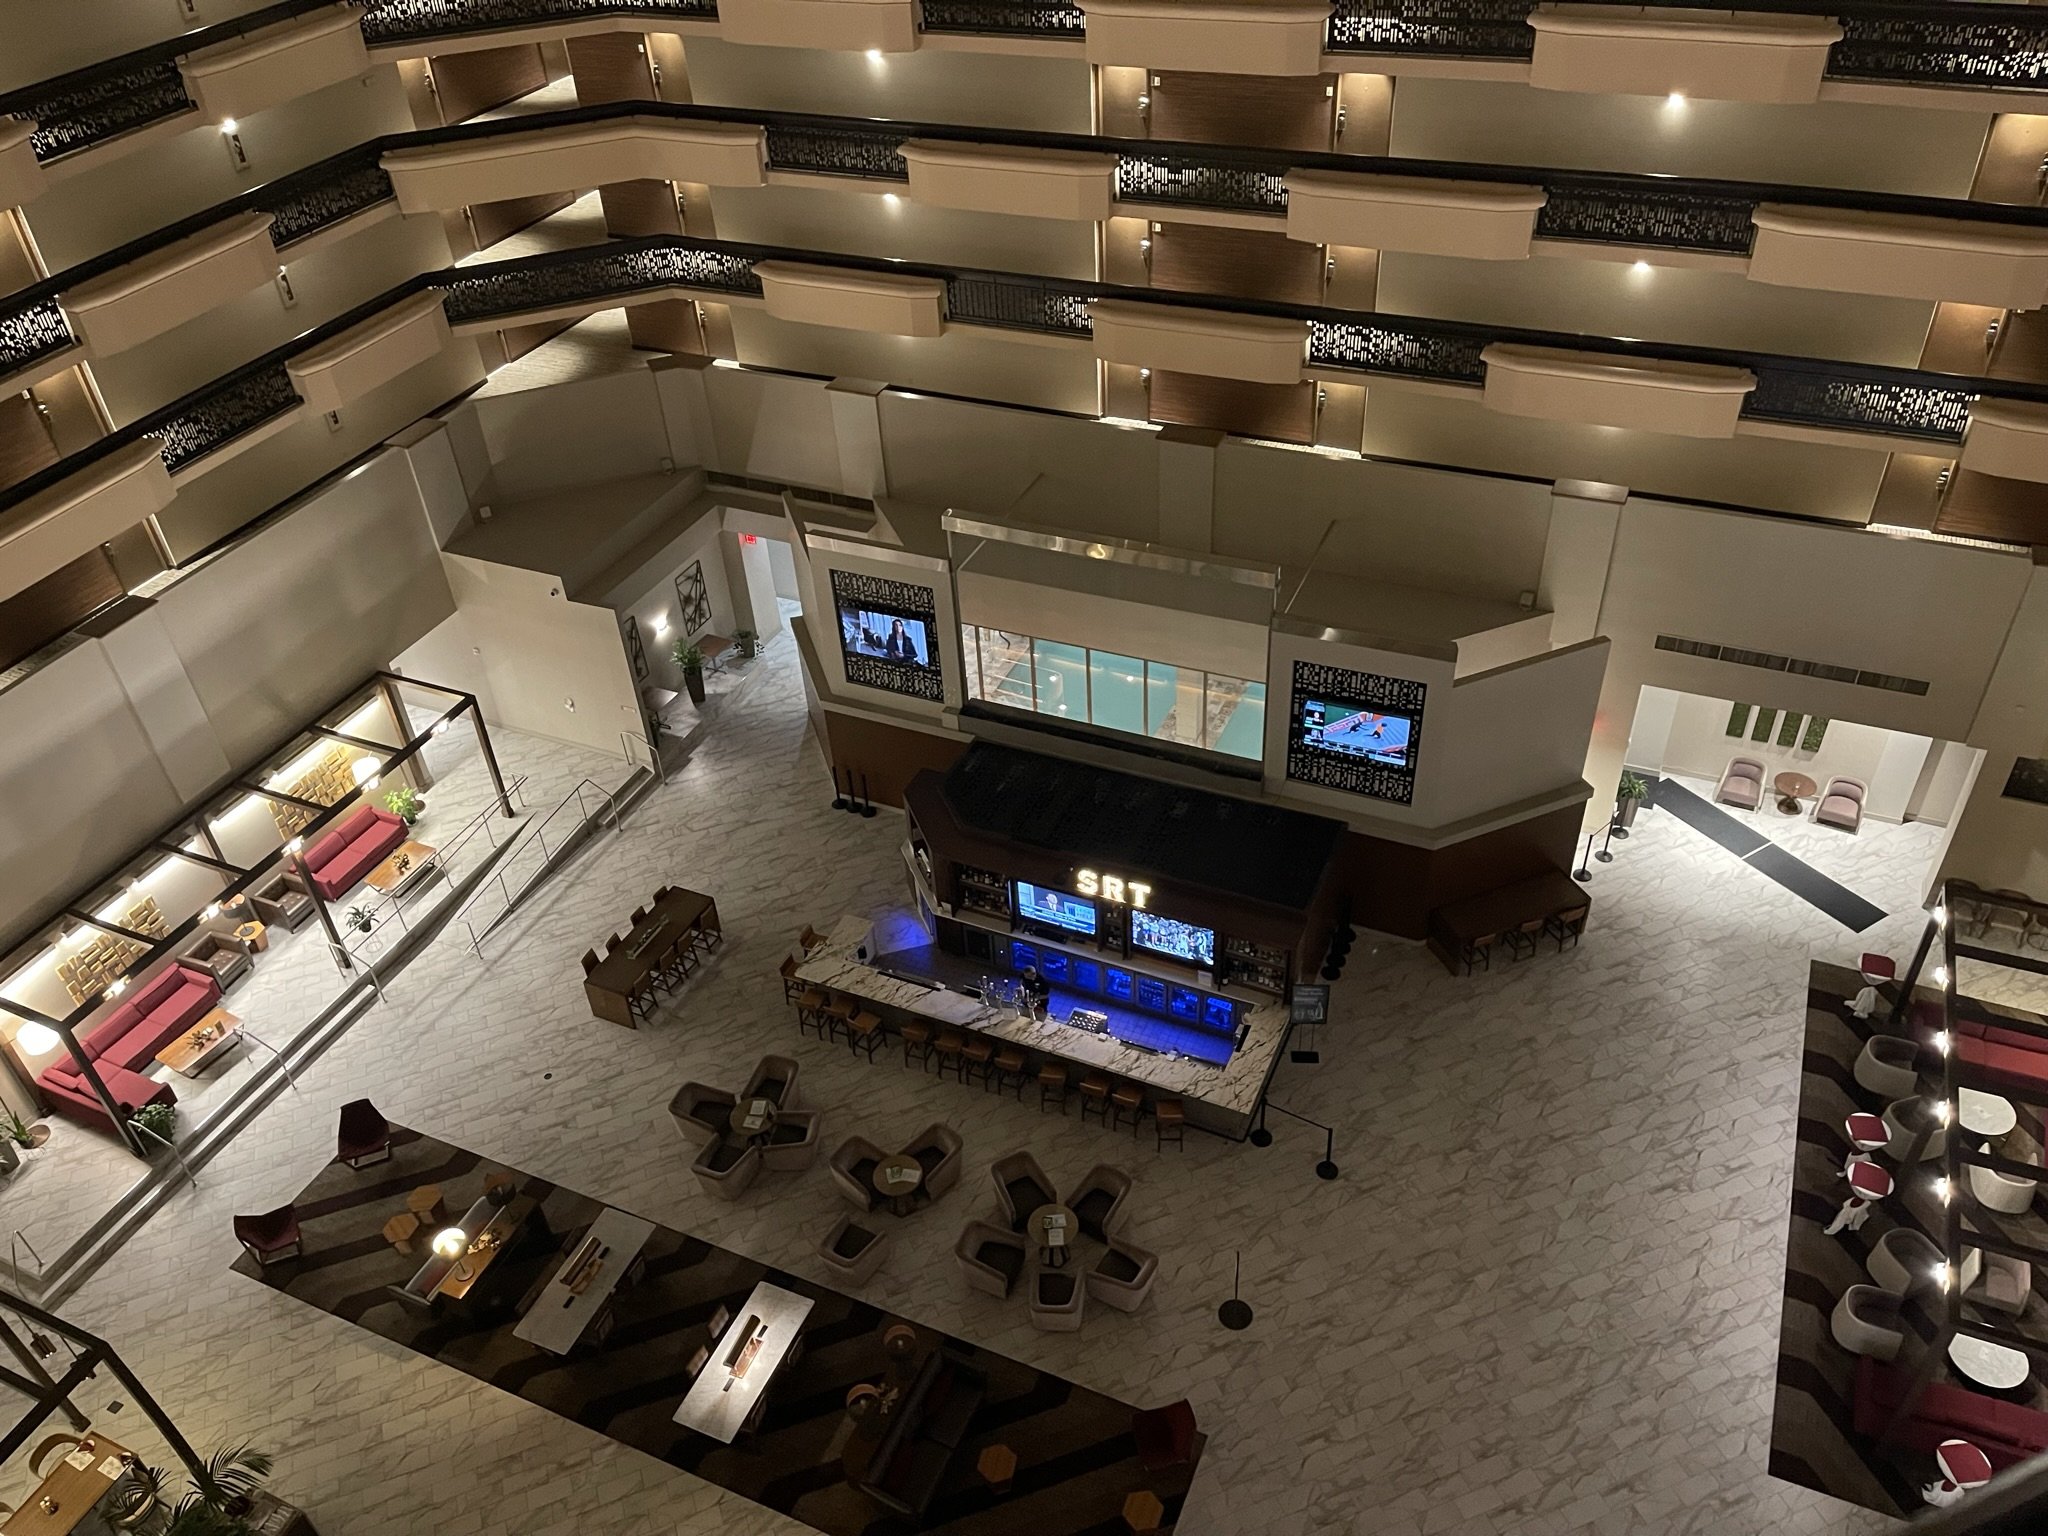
691, 660
406, 803
219, 1502
362, 919
1633, 790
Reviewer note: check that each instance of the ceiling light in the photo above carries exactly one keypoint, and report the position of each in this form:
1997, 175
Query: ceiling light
295, 845
874, 55
1941, 975
1675, 102
1640, 268
365, 771
891, 199
227, 125
36, 1040
1940, 916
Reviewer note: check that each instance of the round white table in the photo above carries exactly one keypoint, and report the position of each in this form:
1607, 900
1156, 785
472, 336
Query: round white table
1985, 1114
1989, 1365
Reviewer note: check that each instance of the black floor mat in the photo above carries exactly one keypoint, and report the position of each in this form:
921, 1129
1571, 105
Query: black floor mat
1767, 858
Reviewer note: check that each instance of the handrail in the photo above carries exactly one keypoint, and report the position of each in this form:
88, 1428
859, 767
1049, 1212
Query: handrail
1958, 43
480, 821
534, 832
631, 740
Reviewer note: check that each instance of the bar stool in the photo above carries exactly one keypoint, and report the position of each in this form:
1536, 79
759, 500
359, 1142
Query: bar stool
951, 1043
864, 1033
1127, 1099
975, 1055
1009, 1072
640, 1001
1052, 1086
1168, 1115
839, 1018
792, 989
917, 1036
676, 963
639, 916
810, 1010
1095, 1097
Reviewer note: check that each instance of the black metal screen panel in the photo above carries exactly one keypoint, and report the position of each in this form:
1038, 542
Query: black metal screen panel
906, 599
1329, 770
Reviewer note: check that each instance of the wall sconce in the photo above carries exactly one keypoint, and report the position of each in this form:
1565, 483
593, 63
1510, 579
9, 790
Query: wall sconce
212, 911
661, 623
286, 294
231, 136
116, 988
365, 771
36, 1040
295, 845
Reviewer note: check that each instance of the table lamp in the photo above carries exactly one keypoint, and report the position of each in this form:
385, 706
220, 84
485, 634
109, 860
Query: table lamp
451, 1242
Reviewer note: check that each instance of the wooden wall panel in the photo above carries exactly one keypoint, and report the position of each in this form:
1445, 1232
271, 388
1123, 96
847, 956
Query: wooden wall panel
1267, 111
1283, 412
469, 83
1236, 263
611, 66
889, 755
25, 444
39, 613
1394, 887
2022, 348
667, 326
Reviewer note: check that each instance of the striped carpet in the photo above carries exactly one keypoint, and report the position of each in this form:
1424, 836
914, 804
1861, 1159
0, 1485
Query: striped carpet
1813, 1439
1076, 1459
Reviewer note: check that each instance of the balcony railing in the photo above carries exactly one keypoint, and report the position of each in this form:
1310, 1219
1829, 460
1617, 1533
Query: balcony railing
406, 21
1003, 18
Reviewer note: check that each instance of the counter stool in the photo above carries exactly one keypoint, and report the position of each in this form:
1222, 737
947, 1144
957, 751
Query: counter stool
1052, 1086
975, 1055
810, 1010
640, 1001
951, 1043
1095, 1097
1478, 951
864, 1033
1127, 1099
917, 1036
838, 1015
792, 989
1010, 1071
1170, 1118
675, 964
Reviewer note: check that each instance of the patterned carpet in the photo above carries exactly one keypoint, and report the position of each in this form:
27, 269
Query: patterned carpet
1076, 1459
1813, 1439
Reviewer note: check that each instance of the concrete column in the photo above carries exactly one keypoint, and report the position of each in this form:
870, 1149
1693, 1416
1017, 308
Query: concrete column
1187, 487
1187, 707
2001, 842
857, 429
142, 658
681, 382
1584, 516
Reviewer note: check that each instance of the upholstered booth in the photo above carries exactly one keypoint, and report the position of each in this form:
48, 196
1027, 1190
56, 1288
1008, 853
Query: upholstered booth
123, 1044
355, 845
1866, 1322
991, 1257
2005, 1432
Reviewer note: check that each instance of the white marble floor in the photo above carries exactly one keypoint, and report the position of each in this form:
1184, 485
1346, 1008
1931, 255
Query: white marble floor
1541, 1298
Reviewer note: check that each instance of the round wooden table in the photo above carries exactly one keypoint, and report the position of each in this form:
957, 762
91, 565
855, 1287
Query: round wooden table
1053, 1227
1792, 788
896, 1179
754, 1118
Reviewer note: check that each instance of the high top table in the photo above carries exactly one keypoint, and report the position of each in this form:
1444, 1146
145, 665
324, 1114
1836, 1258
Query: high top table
556, 1320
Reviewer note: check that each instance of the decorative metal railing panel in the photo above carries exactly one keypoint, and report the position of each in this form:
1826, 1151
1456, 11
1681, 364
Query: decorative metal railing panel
224, 415
397, 21
1003, 18
30, 333
826, 151
1473, 29
72, 116
487, 294
1818, 399
2004, 52
1017, 304
1200, 184
1647, 215
1412, 352
305, 208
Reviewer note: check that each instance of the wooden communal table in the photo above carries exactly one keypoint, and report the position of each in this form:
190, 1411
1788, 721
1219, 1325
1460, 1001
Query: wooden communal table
492, 1228
626, 968
1456, 924
71, 1490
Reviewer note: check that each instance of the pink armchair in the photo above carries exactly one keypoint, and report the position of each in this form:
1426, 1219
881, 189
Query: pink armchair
1742, 784
1841, 804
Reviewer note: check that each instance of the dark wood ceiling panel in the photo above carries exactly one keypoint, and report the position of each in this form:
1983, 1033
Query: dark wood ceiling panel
1283, 412
1268, 111
39, 613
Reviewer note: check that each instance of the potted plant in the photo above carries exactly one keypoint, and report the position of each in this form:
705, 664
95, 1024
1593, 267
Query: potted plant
691, 660
1633, 790
406, 804
748, 642
219, 1502
362, 919
159, 1120
18, 1131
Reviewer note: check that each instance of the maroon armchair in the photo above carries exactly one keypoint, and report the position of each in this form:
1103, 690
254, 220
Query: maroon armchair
365, 1135
1165, 1436
271, 1236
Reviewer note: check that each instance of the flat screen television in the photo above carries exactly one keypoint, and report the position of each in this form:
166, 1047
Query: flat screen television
1057, 909
1169, 936
894, 639
1344, 729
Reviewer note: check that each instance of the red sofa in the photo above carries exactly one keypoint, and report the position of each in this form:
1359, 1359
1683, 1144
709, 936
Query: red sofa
2000, 1060
351, 848
123, 1044
2005, 1432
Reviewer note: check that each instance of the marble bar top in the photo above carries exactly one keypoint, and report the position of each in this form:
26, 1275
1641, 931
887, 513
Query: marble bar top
1235, 1086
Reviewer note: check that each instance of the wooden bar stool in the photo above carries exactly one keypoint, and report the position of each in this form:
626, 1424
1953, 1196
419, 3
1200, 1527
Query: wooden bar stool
839, 1018
1095, 1097
917, 1036
1127, 1099
810, 1010
792, 989
1169, 1117
1052, 1086
1009, 1072
951, 1043
640, 1001
864, 1033
975, 1055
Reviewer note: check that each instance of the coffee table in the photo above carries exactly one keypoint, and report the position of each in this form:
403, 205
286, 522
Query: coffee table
896, 1179
755, 1118
252, 936
1985, 1114
1792, 788
1989, 1365
203, 1044
1052, 1227
401, 867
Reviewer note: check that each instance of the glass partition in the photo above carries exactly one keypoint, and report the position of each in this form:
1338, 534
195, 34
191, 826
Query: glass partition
1192, 708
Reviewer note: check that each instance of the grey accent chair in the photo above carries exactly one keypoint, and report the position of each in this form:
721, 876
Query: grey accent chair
1102, 1203
219, 954
793, 1144
773, 1079
702, 1113
1906, 1119
1904, 1261
726, 1169
853, 1171
1889, 1067
937, 1150
1021, 1187
1742, 784
1841, 804
1866, 1322
1122, 1277
853, 1252
2001, 1192
1993, 1280
1059, 1297
991, 1258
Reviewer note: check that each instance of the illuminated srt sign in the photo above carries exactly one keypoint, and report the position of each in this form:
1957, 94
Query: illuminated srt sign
1113, 888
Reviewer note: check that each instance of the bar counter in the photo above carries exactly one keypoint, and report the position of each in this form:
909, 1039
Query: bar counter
1218, 1099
